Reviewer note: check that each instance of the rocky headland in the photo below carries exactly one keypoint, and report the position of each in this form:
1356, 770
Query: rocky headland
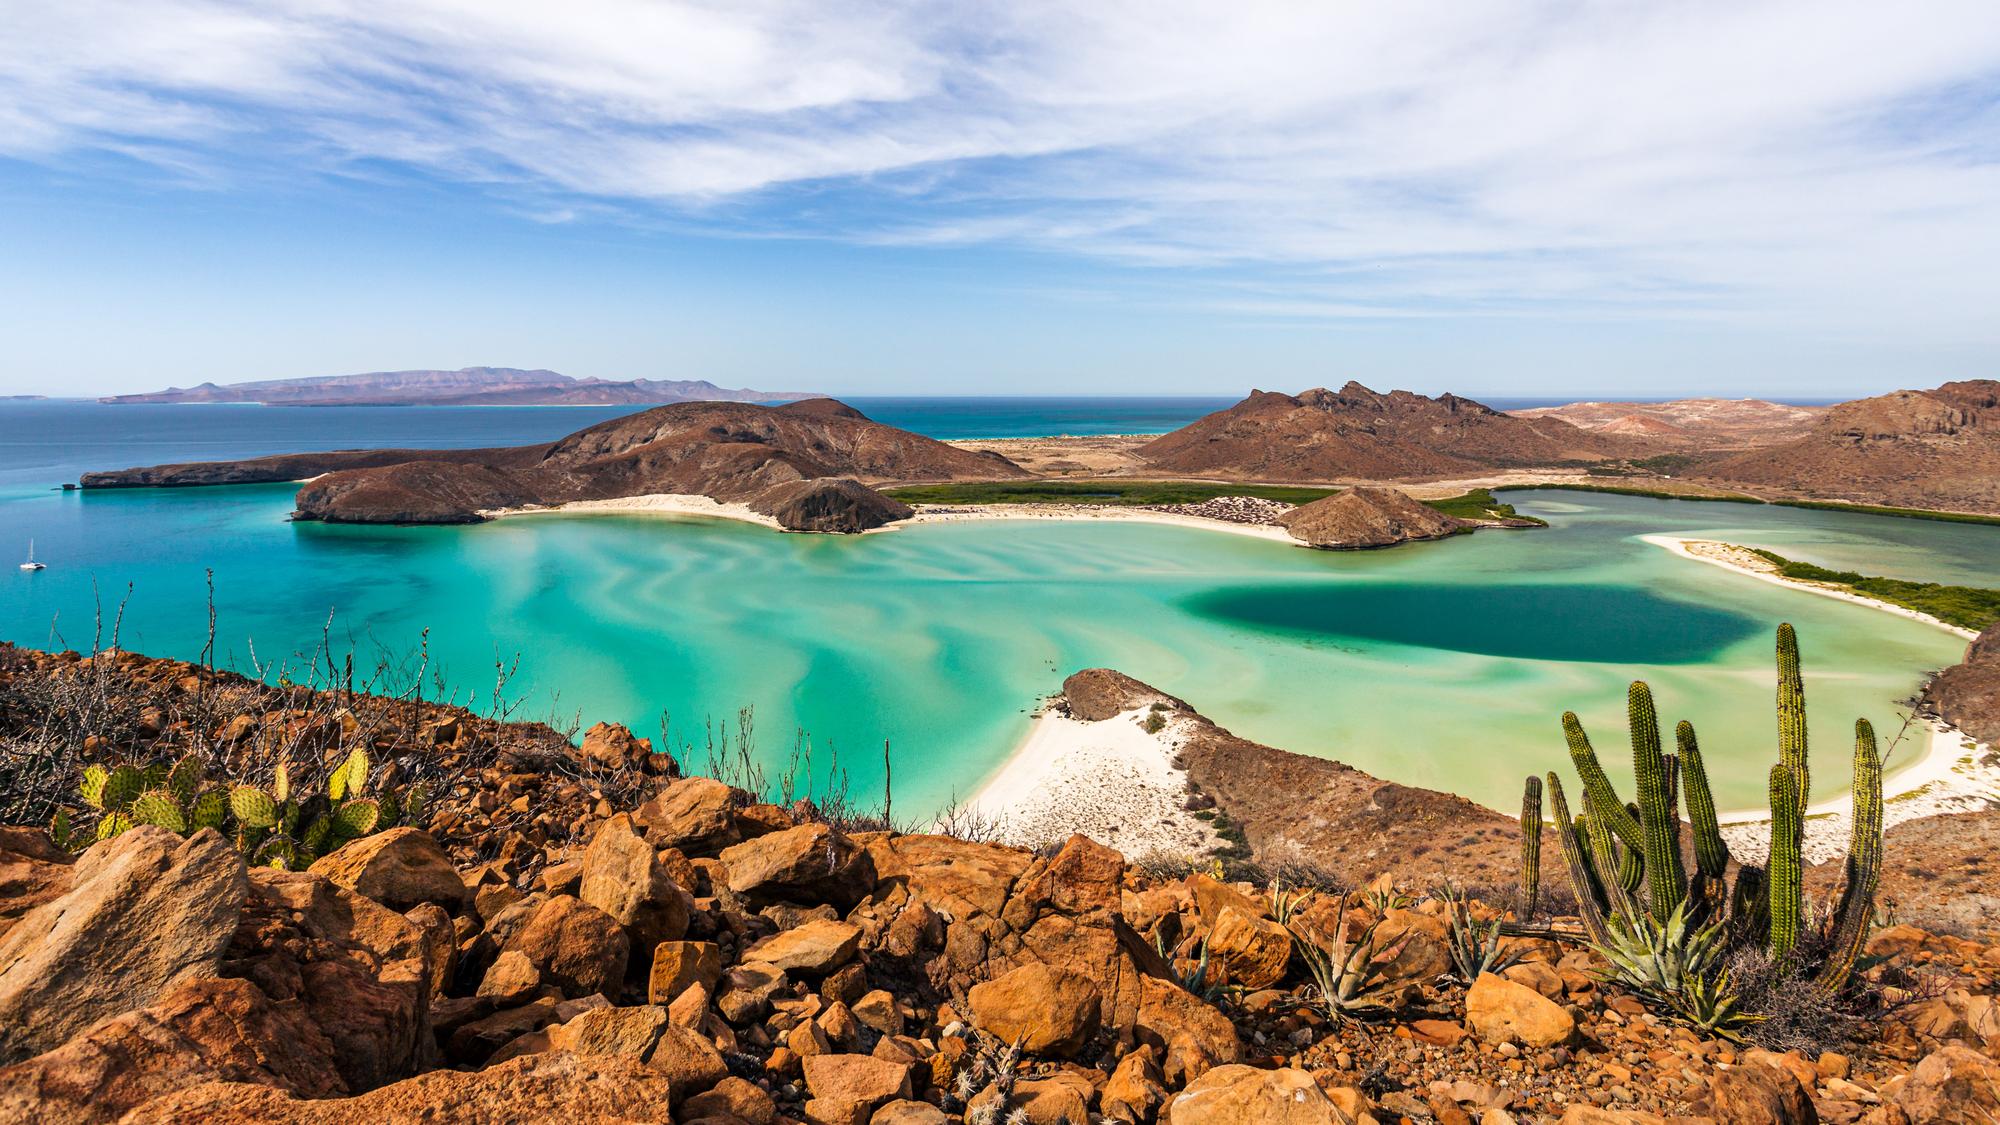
1368, 516
808, 465
581, 930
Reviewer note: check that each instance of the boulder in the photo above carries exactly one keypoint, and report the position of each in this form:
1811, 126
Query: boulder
855, 1080
1049, 1011
554, 1086
611, 746
578, 948
1254, 951
1952, 1086
1756, 1094
695, 816
1136, 1089
906, 1112
1058, 1099
32, 871
1190, 1035
623, 878
1500, 1011
398, 868
678, 964
1243, 1095
732, 1099
203, 1030
145, 910
815, 948
809, 863
511, 979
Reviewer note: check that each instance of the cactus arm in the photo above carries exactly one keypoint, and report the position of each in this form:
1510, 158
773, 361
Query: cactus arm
1597, 790
1589, 901
1531, 846
1864, 861
1614, 865
1666, 880
1792, 709
1711, 854
1786, 877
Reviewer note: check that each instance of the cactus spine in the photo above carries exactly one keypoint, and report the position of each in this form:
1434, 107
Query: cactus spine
1666, 882
1787, 888
1531, 846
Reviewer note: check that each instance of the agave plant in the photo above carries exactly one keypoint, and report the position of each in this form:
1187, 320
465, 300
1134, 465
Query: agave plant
1474, 945
1349, 977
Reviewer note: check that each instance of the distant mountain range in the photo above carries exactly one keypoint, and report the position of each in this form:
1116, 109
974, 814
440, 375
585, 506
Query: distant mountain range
469, 386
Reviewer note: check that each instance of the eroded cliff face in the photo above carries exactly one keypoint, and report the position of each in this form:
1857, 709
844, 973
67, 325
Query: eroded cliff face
809, 464
1968, 695
1926, 449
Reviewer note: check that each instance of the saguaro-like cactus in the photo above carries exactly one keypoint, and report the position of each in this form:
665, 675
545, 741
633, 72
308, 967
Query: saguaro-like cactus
1785, 867
1632, 883
1531, 846
1666, 881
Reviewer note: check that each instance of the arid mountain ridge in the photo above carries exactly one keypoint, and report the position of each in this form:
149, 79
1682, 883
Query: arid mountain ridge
469, 386
1937, 449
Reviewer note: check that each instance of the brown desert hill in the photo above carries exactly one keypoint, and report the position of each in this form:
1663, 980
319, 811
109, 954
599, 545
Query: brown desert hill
808, 464
1690, 423
1357, 433
1922, 449
1367, 516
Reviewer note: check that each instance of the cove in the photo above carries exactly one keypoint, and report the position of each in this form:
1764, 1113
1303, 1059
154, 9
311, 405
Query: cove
1596, 623
1438, 664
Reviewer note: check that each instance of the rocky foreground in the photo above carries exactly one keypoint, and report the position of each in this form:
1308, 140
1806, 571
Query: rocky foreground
579, 931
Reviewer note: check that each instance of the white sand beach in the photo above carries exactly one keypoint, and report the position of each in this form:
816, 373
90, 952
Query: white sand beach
1743, 561
655, 504
954, 513
1110, 780
1950, 773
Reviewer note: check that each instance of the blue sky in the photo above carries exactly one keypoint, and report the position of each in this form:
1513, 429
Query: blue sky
1502, 199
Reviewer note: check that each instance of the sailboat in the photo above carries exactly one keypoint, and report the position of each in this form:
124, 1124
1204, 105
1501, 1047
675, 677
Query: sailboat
31, 564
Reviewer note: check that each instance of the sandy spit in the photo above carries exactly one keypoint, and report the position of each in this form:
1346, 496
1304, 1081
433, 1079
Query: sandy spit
1952, 772
1110, 780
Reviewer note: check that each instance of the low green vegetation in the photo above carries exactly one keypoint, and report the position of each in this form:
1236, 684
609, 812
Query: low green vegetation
1879, 510
1968, 607
1479, 504
1123, 493
1692, 942
1626, 490
1737, 498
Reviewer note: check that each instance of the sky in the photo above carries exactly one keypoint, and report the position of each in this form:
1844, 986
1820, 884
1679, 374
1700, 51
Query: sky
1520, 198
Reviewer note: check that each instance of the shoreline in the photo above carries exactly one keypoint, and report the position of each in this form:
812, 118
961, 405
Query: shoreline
1723, 557
1111, 780
705, 507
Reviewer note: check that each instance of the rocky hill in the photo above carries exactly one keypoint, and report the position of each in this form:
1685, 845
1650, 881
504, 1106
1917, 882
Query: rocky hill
1924, 449
808, 464
1690, 423
1367, 516
1358, 434
578, 932
469, 386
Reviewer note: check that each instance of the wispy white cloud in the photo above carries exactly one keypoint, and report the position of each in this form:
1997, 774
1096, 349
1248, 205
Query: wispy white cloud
1808, 163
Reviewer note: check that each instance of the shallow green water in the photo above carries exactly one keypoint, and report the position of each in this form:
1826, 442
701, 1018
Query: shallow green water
1442, 664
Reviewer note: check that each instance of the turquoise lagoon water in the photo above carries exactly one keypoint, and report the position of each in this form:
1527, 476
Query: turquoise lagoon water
1442, 664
